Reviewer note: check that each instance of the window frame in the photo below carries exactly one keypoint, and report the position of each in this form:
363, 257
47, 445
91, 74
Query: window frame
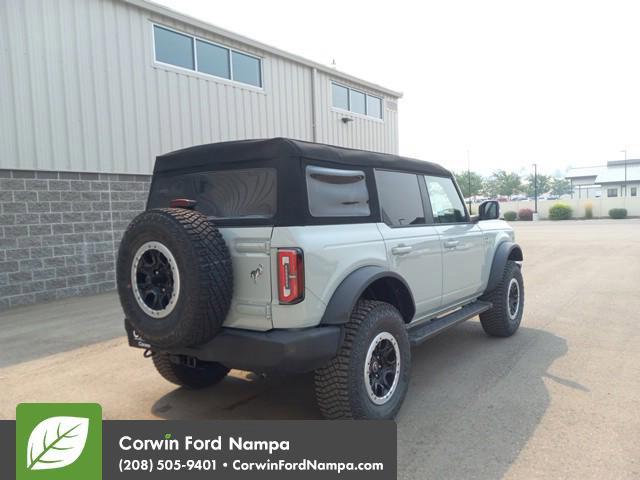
457, 188
195, 70
366, 105
633, 191
611, 189
428, 215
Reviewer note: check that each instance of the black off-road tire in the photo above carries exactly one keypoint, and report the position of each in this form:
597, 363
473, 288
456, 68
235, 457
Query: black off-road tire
202, 375
340, 386
497, 321
205, 277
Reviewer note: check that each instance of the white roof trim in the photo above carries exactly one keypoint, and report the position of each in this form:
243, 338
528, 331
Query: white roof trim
167, 12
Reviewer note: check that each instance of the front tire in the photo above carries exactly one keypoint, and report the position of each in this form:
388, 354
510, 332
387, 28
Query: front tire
200, 375
369, 377
504, 318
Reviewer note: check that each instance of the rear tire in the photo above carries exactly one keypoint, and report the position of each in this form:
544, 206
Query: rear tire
202, 375
504, 318
375, 337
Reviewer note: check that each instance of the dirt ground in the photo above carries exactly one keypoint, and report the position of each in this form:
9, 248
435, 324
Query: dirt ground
560, 399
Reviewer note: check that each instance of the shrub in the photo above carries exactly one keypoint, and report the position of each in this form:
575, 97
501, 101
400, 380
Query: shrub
525, 214
510, 216
560, 211
588, 210
618, 212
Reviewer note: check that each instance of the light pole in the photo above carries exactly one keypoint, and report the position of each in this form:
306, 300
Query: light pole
625, 172
469, 178
535, 186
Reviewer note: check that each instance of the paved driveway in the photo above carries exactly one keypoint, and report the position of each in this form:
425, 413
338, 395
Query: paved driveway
561, 399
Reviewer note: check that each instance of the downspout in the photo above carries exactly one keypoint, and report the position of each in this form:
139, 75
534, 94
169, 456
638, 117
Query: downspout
314, 127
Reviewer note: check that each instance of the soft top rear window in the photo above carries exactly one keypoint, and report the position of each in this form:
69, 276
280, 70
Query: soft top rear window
225, 194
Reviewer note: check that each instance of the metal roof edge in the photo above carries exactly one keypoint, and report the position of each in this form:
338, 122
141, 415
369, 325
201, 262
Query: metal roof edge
168, 12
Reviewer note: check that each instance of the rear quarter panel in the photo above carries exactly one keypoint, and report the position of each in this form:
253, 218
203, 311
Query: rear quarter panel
331, 252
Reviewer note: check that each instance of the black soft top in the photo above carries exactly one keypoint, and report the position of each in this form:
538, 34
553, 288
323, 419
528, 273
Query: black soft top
225, 153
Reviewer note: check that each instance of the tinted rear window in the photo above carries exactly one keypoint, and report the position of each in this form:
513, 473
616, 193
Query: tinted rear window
224, 194
337, 193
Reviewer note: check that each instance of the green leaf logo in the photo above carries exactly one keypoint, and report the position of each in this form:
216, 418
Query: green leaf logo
56, 442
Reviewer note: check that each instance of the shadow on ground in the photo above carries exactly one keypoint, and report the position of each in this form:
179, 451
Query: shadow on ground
473, 402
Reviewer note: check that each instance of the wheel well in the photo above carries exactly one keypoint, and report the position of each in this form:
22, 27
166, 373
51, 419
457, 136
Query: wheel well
393, 291
515, 254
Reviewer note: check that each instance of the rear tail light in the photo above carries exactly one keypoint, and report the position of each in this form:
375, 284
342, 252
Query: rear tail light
290, 275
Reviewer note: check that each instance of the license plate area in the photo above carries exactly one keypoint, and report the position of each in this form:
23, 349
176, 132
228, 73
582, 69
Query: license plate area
135, 339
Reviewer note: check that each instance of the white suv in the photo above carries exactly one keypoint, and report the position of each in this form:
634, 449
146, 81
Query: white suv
288, 256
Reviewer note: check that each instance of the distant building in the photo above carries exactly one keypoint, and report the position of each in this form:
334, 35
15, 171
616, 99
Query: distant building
618, 178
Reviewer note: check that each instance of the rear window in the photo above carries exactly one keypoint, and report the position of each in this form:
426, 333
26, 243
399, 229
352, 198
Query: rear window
224, 194
337, 193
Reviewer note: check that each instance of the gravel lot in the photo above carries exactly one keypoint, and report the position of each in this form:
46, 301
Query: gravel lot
560, 399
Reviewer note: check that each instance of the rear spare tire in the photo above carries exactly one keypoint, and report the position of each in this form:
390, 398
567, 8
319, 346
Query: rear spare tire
174, 277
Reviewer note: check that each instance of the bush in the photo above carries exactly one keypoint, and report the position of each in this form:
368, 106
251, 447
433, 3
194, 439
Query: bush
525, 214
618, 213
588, 210
560, 211
510, 216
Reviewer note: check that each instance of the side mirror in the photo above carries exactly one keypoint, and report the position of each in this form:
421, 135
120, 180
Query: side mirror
489, 210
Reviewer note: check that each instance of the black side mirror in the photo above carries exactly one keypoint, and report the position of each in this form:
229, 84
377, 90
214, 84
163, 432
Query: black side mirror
489, 210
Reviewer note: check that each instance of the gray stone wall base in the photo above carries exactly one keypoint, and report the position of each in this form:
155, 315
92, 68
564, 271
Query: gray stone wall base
60, 231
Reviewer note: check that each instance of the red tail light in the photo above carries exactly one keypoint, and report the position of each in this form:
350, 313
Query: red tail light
290, 275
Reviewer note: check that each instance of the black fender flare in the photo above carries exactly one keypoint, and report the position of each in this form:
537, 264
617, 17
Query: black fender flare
346, 295
505, 251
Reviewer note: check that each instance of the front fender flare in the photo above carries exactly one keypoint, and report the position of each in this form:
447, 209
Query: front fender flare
345, 297
504, 252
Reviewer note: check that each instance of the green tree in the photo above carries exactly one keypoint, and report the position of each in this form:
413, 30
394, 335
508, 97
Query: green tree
560, 186
544, 184
504, 183
476, 183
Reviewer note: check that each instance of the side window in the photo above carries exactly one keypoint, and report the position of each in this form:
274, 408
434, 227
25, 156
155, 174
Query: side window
337, 193
400, 199
445, 202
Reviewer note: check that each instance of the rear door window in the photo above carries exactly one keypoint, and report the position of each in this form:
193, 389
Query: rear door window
400, 198
225, 194
337, 193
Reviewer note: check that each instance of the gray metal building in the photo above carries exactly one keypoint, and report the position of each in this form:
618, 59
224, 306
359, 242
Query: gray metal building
93, 90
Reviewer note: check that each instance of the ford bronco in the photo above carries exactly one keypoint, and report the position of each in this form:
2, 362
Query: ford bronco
283, 256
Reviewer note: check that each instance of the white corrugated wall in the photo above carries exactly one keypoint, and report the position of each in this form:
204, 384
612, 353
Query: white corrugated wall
80, 92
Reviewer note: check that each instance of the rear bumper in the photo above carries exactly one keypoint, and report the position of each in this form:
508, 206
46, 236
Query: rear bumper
286, 351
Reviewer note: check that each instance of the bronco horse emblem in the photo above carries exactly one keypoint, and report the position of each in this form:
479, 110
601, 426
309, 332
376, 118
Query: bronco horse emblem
256, 273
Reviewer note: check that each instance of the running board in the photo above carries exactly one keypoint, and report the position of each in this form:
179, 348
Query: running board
425, 330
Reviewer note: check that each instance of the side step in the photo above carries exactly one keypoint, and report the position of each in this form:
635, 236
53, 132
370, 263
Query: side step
425, 330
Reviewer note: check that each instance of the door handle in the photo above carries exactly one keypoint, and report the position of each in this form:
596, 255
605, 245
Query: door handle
451, 243
401, 250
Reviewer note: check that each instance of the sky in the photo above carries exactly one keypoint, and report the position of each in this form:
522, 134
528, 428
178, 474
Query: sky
503, 83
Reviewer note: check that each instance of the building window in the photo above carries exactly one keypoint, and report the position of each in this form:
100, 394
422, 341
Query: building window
340, 96
213, 59
355, 101
612, 192
191, 53
246, 69
634, 191
174, 48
